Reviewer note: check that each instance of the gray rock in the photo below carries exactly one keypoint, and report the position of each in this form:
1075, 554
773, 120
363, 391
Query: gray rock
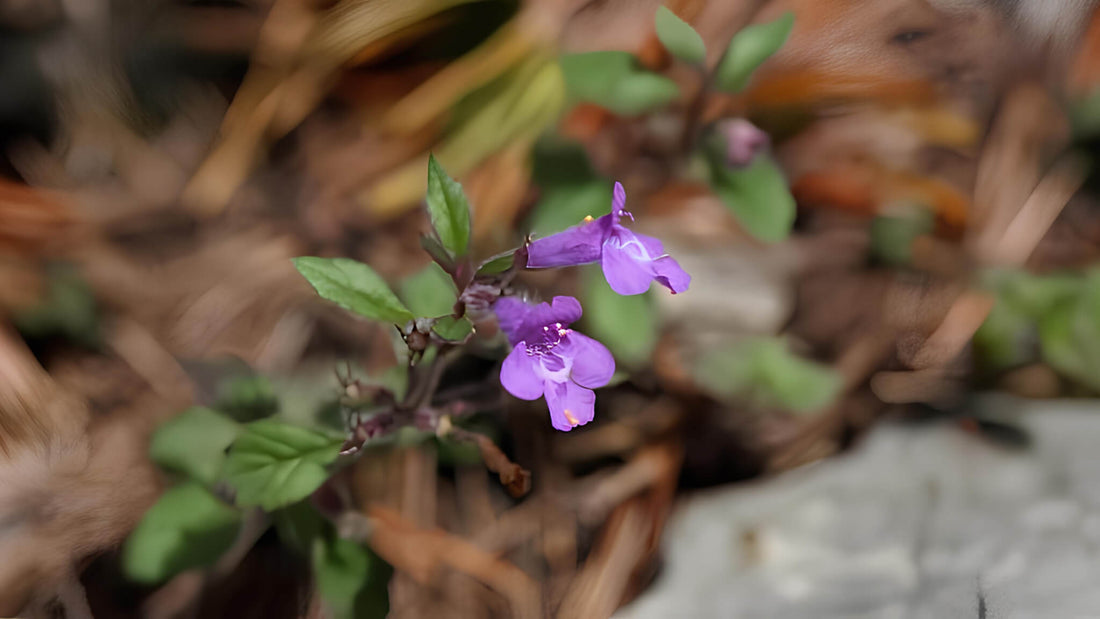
919, 522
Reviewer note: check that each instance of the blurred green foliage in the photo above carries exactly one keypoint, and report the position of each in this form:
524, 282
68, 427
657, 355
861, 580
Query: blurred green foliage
1055, 318
678, 37
748, 49
353, 581
757, 196
767, 374
614, 80
570, 188
627, 325
892, 234
194, 443
188, 527
247, 398
67, 309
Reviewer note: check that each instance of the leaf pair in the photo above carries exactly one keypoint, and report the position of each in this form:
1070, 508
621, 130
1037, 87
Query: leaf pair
431, 293
1060, 313
613, 80
269, 464
747, 50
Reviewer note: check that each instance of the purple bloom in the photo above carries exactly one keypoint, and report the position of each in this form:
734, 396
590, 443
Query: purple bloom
550, 359
743, 142
630, 260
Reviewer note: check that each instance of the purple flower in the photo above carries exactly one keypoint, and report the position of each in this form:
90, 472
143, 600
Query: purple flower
630, 260
550, 359
743, 142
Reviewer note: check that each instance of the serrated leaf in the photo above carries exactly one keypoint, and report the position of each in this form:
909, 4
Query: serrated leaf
749, 49
272, 464
769, 374
353, 581
453, 329
612, 80
758, 197
353, 286
678, 37
187, 527
429, 292
627, 325
448, 208
194, 443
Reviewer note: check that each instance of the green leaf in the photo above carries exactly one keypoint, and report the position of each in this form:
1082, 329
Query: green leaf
353, 581
453, 329
187, 528
1070, 335
766, 372
627, 325
498, 263
194, 443
1037, 295
612, 80
298, 525
679, 38
758, 197
749, 49
353, 286
429, 292
448, 208
642, 92
273, 464
1001, 341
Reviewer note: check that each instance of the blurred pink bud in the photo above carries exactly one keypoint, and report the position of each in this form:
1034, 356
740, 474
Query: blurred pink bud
743, 141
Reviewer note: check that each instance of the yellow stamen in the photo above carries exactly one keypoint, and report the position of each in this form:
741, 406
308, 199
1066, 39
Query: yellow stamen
587, 219
570, 418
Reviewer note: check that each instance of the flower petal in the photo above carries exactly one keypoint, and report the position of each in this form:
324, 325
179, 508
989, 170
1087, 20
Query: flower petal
519, 374
654, 247
670, 275
593, 364
511, 313
624, 272
618, 200
577, 245
566, 310
570, 405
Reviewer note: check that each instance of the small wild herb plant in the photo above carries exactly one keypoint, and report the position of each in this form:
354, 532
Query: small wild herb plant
240, 469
